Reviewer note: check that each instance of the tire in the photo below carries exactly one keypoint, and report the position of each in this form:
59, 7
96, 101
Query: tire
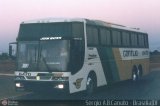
91, 84
140, 71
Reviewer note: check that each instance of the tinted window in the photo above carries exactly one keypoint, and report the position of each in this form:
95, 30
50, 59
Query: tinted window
141, 40
116, 38
92, 35
77, 29
105, 36
146, 40
36, 31
125, 39
134, 40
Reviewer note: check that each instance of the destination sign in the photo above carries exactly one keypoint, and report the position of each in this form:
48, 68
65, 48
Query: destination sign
50, 38
129, 53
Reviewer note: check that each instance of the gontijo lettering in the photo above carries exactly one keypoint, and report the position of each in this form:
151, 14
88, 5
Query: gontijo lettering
127, 53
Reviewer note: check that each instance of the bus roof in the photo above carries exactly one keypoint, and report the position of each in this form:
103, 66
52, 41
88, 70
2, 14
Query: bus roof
88, 21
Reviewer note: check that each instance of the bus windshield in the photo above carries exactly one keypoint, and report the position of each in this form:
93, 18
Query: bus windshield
44, 56
27, 55
54, 55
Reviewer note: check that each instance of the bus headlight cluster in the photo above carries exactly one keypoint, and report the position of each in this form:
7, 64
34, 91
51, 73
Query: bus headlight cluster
18, 85
60, 86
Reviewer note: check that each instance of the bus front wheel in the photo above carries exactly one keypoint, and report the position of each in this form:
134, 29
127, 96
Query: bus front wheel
91, 84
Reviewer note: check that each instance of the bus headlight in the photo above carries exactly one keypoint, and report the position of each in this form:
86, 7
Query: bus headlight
18, 85
61, 86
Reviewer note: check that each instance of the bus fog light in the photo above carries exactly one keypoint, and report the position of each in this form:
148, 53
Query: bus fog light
61, 86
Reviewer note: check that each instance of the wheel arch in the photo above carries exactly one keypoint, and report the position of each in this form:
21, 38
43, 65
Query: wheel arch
92, 73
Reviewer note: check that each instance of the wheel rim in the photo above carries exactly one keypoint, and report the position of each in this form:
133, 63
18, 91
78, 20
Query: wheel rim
140, 71
89, 85
134, 77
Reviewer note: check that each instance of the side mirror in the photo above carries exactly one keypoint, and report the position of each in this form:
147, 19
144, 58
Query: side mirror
12, 50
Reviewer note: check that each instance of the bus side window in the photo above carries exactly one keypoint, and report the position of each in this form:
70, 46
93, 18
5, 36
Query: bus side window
92, 36
116, 38
134, 40
105, 37
146, 40
77, 29
125, 39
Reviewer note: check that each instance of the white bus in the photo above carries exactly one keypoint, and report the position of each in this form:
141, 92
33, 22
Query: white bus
78, 54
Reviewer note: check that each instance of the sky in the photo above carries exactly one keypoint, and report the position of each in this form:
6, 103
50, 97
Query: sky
143, 14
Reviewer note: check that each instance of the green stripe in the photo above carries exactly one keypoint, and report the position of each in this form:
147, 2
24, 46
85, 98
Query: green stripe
109, 64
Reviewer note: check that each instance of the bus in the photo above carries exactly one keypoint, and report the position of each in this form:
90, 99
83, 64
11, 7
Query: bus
78, 54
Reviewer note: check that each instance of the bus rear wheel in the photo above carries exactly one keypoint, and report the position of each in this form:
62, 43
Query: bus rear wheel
140, 71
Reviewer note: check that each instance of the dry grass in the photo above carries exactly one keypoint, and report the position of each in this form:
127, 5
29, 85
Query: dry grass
154, 65
154, 61
155, 58
7, 66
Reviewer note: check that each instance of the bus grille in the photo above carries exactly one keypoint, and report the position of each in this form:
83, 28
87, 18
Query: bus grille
41, 77
31, 77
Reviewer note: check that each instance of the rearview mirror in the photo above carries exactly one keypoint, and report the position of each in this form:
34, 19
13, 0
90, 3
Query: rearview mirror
12, 50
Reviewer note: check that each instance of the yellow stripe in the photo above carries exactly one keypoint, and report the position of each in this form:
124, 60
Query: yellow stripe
125, 66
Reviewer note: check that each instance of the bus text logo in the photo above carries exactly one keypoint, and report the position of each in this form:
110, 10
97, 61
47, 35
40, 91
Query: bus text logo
127, 53
78, 83
25, 74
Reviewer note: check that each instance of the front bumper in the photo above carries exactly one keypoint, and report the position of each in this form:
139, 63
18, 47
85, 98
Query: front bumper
26, 85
